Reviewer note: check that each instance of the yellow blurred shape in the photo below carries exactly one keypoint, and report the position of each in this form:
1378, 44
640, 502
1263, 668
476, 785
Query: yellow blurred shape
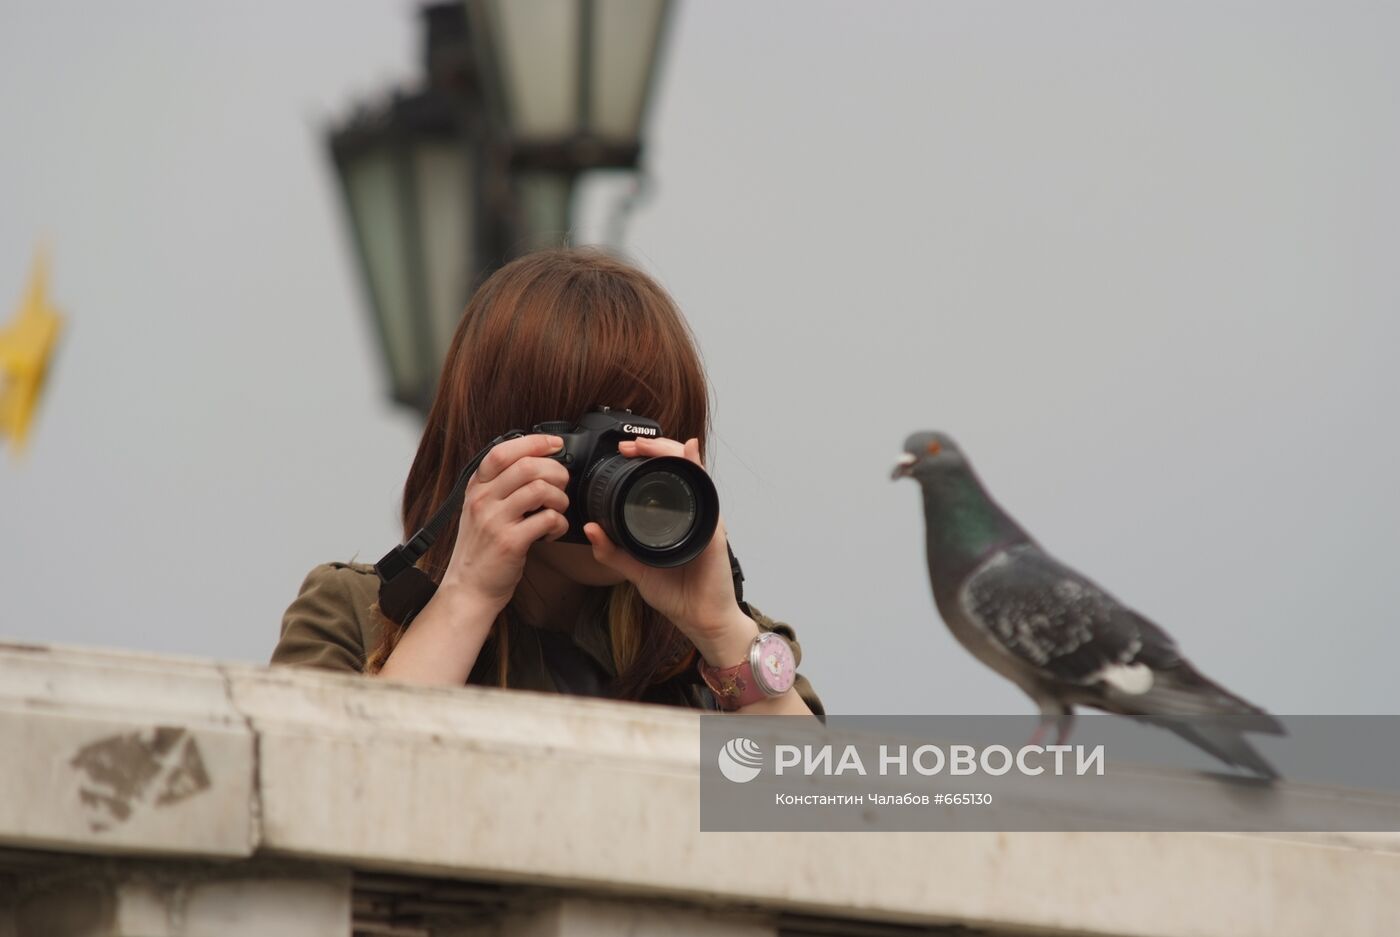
27, 344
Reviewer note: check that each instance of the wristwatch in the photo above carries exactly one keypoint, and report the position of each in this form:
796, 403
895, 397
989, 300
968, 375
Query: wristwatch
769, 670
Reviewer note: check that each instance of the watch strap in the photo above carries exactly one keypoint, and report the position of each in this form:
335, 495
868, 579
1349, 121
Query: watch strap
744, 683
733, 687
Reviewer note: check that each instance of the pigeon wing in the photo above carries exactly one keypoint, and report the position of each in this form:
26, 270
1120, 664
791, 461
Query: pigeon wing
1062, 624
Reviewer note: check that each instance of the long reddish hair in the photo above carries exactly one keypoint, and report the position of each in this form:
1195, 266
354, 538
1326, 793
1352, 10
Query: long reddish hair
550, 336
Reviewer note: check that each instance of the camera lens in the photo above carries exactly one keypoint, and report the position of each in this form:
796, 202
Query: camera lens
659, 510
663, 510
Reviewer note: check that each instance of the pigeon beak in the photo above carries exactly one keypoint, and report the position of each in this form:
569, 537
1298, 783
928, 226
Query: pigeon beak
903, 466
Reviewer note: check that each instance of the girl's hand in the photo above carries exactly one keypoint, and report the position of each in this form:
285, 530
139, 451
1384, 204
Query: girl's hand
698, 597
515, 497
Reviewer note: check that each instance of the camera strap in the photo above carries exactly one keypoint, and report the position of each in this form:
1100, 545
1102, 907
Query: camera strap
738, 573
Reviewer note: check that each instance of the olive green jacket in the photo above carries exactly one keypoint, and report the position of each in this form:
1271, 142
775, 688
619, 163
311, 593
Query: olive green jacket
329, 625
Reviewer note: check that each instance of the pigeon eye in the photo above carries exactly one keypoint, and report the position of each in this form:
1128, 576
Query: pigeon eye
934, 448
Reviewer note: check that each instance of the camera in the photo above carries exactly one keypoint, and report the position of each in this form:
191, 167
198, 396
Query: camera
663, 510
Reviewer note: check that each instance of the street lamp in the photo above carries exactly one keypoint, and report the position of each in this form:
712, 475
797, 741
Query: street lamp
444, 183
568, 82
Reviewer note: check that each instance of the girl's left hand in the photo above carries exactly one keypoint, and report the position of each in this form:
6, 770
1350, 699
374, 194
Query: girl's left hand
698, 597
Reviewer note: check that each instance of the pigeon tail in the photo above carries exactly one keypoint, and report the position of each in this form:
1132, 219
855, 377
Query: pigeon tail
1205, 714
1182, 690
1223, 742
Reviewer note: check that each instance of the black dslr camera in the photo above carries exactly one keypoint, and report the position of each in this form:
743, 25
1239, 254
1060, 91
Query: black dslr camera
660, 509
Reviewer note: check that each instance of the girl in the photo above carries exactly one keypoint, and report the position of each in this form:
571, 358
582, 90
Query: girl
550, 336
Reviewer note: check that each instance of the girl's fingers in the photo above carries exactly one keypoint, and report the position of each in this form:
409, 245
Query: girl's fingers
504, 455
607, 553
542, 525
646, 446
540, 493
526, 469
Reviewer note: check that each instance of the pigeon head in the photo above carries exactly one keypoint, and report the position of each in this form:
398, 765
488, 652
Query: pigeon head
927, 454
962, 524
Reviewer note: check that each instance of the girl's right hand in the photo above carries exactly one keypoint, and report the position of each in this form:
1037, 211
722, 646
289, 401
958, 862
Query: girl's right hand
515, 498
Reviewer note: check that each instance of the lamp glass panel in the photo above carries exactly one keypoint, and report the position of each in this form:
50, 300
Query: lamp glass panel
376, 207
446, 215
625, 36
545, 199
537, 45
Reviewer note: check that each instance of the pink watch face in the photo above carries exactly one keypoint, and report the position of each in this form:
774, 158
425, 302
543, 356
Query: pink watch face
774, 664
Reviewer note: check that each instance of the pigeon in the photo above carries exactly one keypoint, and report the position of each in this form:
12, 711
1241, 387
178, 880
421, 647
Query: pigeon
1057, 635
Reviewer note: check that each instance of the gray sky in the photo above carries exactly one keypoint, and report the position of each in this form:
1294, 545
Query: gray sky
1138, 259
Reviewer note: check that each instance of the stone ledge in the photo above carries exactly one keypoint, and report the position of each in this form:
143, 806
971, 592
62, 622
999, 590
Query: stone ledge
580, 794
123, 753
